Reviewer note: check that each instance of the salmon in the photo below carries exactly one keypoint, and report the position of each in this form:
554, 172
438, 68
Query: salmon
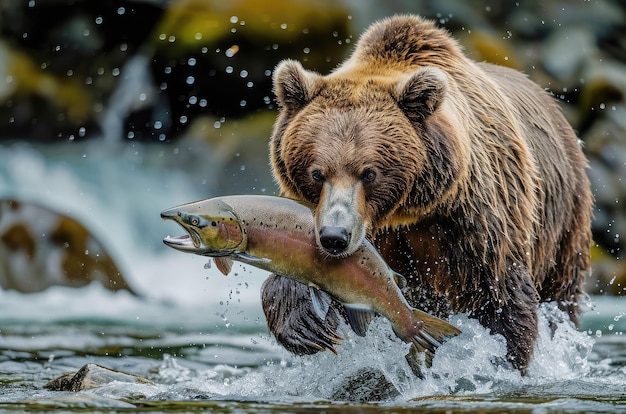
277, 235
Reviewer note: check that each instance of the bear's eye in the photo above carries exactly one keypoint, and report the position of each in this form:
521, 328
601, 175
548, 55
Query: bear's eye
317, 176
368, 176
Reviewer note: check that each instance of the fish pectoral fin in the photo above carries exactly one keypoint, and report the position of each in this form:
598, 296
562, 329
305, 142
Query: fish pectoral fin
251, 259
321, 302
223, 264
359, 318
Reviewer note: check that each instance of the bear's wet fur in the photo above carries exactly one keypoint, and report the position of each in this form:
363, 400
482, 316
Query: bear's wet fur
466, 176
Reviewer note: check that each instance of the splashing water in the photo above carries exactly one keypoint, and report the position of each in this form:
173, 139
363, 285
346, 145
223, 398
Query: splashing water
374, 368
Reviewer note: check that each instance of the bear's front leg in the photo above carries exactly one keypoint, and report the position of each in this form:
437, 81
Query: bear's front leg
513, 314
293, 320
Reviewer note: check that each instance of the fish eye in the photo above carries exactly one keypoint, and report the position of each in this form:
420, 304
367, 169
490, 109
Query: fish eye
214, 223
194, 221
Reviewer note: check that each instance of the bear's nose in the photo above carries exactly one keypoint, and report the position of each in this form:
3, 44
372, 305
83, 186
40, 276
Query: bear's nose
334, 239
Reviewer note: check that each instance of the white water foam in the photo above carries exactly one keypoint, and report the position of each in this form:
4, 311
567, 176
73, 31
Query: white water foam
465, 365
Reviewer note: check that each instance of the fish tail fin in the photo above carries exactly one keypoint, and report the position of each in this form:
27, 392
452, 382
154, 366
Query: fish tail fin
434, 333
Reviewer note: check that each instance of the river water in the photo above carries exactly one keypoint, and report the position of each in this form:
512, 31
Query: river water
201, 339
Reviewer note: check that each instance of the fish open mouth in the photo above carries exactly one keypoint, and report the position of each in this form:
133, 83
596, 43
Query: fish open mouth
184, 243
178, 241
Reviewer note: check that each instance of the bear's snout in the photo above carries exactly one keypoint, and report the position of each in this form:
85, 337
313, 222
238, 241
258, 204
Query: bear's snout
334, 240
339, 225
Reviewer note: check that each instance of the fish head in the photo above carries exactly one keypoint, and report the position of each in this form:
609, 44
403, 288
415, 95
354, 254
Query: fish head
212, 227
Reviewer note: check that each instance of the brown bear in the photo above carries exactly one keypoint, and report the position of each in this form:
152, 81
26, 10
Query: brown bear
465, 175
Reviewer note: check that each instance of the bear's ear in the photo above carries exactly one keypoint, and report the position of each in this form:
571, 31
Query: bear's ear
420, 94
294, 86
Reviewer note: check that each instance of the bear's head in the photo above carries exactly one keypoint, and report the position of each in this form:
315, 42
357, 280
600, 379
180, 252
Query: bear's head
367, 149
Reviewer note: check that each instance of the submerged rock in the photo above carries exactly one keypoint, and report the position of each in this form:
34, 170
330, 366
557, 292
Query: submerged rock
366, 385
92, 376
40, 248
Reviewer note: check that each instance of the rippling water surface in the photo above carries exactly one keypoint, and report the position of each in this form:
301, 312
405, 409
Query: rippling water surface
201, 339
218, 355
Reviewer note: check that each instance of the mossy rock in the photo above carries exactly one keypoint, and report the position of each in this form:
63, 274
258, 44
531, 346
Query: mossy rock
217, 58
40, 248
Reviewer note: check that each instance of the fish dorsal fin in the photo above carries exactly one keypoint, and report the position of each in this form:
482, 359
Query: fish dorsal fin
223, 264
359, 318
321, 302
251, 259
400, 280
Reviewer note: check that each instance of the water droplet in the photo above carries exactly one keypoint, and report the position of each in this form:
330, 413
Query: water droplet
191, 61
158, 124
99, 20
190, 80
232, 51
229, 69
243, 73
234, 19
183, 119
121, 10
283, 26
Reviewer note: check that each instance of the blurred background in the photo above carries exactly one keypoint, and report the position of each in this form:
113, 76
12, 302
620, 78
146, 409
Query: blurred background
113, 110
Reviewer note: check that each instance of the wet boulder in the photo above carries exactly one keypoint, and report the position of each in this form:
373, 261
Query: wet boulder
40, 248
92, 376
